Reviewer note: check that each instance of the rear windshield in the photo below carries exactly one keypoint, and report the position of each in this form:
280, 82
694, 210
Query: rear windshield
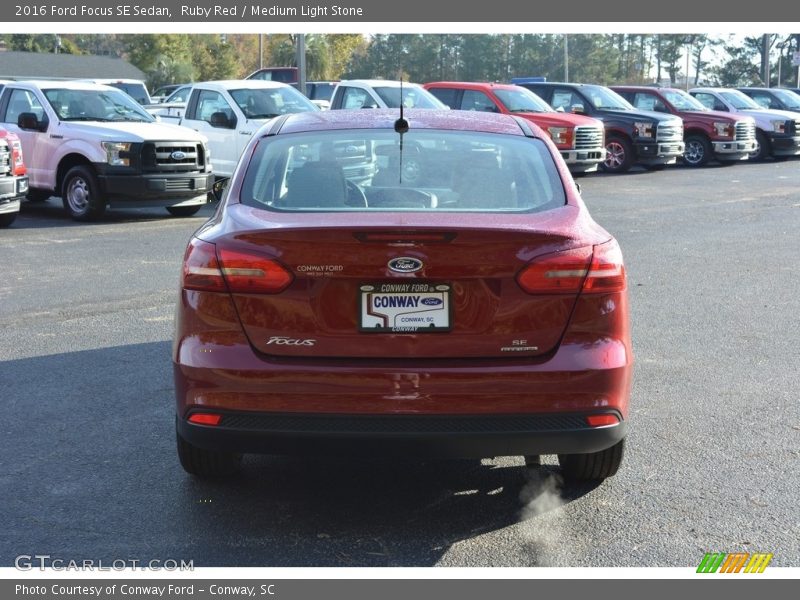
368, 170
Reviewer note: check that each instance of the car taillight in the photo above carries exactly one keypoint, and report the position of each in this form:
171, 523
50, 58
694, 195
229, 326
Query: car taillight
201, 269
590, 269
212, 269
248, 274
607, 273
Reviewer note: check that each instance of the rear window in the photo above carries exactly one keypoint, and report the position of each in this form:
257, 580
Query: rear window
367, 170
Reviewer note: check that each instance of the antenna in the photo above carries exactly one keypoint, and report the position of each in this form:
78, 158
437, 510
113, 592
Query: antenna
401, 126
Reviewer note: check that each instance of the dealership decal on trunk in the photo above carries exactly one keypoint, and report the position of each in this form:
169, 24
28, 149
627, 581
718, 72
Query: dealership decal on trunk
319, 270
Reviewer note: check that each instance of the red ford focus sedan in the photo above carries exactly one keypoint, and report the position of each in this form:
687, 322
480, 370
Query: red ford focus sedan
429, 285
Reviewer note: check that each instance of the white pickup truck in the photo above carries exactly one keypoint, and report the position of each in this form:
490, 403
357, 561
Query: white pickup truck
230, 112
95, 146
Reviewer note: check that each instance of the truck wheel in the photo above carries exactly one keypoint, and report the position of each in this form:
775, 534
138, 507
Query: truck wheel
593, 466
81, 194
698, 151
763, 149
7, 219
183, 211
206, 463
619, 155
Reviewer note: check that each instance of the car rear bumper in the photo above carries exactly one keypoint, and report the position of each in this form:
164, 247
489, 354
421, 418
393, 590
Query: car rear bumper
468, 408
446, 436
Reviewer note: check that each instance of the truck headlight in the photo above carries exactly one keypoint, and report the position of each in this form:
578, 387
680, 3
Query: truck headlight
723, 129
117, 153
560, 135
779, 126
644, 129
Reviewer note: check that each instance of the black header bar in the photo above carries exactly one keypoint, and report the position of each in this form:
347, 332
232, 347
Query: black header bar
405, 11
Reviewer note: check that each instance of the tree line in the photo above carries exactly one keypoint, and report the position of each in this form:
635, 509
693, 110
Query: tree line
595, 58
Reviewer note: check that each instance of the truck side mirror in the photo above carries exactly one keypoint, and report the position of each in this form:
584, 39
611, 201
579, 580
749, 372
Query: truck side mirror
220, 119
28, 120
577, 109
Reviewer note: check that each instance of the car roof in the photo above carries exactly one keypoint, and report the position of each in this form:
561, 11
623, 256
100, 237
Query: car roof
233, 84
477, 85
646, 88
65, 84
418, 119
378, 83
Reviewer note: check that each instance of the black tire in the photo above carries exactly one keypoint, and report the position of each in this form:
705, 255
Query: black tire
206, 463
38, 195
619, 155
594, 466
763, 149
7, 219
81, 194
184, 211
698, 151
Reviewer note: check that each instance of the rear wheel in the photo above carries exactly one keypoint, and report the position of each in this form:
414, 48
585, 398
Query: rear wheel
619, 155
183, 211
81, 194
592, 466
698, 151
7, 219
206, 463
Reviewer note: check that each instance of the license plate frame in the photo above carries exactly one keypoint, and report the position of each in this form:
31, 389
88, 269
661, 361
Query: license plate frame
405, 307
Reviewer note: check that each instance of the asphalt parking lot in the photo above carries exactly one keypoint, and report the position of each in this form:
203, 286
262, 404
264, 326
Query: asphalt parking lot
713, 462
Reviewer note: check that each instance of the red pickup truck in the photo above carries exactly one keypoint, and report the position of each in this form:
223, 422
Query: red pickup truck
579, 139
709, 134
13, 181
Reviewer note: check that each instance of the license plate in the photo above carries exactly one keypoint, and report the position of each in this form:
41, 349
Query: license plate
407, 307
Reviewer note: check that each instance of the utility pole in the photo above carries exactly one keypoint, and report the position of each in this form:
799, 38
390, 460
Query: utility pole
566, 58
301, 63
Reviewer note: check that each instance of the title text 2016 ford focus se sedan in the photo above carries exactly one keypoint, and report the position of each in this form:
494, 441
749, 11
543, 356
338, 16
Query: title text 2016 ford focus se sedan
458, 301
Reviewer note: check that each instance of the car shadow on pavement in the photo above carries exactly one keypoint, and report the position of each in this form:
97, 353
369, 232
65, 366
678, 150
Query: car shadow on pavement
51, 213
89, 452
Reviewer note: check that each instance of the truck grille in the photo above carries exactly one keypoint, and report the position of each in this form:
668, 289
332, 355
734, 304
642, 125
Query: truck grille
5, 158
794, 127
588, 138
745, 130
670, 132
172, 157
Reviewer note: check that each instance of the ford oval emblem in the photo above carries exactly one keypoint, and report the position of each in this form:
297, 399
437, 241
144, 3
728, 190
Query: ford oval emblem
431, 301
177, 155
405, 264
